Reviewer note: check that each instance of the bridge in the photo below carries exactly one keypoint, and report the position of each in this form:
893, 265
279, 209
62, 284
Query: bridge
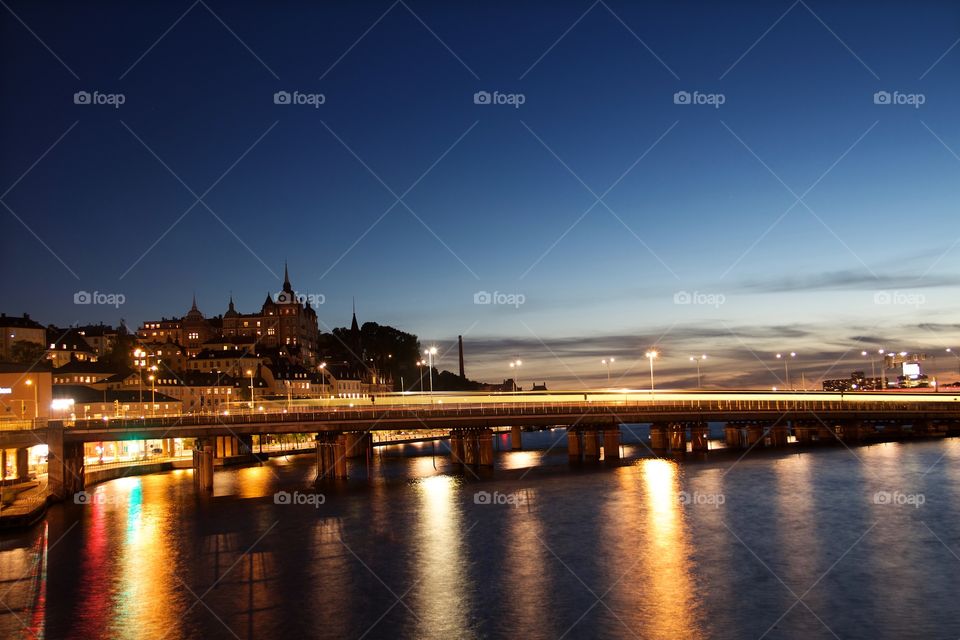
342, 427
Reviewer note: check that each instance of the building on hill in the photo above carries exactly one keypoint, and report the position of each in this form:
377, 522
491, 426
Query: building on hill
78, 402
84, 372
19, 329
100, 337
67, 345
287, 323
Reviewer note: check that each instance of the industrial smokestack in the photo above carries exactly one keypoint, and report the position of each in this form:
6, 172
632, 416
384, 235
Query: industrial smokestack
460, 341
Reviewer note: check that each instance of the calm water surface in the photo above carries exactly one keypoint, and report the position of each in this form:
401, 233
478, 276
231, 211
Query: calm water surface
785, 545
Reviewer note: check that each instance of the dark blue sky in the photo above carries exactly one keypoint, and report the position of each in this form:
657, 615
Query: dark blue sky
703, 199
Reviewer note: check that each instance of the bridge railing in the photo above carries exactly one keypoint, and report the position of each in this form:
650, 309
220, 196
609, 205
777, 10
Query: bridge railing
649, 408
22, 424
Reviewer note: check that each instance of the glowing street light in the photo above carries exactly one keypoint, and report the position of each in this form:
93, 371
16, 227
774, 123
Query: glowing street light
153, 391
698, 360
36, 404
250, 373
955, 355
607, 362
786, 366
432, 351
516, 365
651, 356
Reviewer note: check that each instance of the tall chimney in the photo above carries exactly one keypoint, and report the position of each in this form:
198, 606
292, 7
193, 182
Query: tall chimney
460, 341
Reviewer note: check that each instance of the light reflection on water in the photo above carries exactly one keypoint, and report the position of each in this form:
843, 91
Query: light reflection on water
412, 552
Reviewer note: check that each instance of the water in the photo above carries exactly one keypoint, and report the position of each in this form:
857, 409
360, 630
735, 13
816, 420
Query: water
777, 545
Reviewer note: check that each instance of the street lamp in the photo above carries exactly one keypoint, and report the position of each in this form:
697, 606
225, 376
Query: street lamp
786, 367
323, 378
651, 356
607, 362
883, 370
250, 373
698, 360
432, 351
138, 355
36, 404
420, 364
516, 365
153, 391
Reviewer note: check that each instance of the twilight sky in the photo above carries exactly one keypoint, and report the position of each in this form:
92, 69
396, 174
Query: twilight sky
806, 212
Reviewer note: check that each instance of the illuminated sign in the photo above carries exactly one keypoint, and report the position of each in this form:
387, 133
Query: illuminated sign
911, 369
5, 391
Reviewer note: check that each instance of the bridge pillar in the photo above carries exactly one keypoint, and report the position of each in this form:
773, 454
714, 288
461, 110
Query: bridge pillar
356, 444
804, 432
574, 448
65, 464
677, 437
471, 452
777, 435
921, 427
658, 436
591, 445
731, 434
331, 456
23, 464
456, 446
203, 452
756, 434
516, 438
700, 437
485, 447
611, 443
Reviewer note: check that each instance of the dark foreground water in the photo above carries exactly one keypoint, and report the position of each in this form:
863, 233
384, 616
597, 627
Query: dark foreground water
833, 543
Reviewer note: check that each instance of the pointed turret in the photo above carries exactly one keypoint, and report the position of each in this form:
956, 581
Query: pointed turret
231, 310
286, 279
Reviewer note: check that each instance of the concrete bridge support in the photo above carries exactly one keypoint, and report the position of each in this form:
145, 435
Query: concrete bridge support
203, 453
574, 446
699, 437
331, 456
658, 437
516, 438
611, 443
65, 464
356, 443
731, 434
472, 446
456, 446
23, 464
805, 432
591, 445
677, 437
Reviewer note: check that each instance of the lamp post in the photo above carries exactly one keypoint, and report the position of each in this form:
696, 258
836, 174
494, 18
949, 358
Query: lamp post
883, 370
432, 351
607, 362
786, 366
36, 403
153, 391
420, 364
651, 356
250, 373
323, 378
697, 360
138, 354
516, 365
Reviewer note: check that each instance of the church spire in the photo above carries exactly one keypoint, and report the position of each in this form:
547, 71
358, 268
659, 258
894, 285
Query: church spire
286, 279
194, 306
354, 327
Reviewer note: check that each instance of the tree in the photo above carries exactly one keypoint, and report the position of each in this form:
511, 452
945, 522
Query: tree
24, 352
